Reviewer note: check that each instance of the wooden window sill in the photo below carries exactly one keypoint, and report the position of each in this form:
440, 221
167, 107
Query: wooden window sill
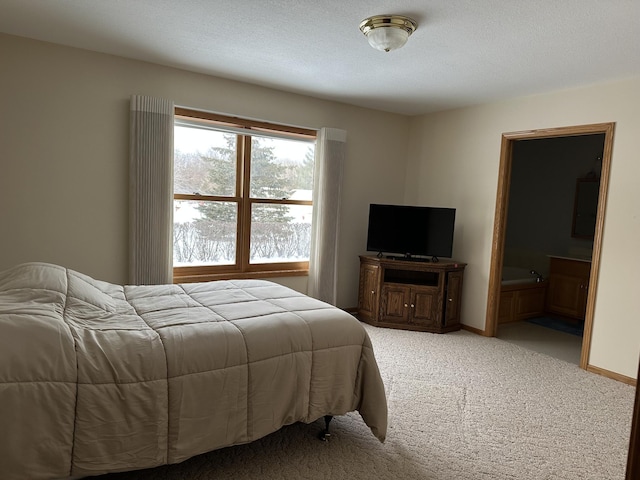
238, 275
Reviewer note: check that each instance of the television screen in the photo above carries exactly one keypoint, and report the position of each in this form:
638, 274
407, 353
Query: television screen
411, 230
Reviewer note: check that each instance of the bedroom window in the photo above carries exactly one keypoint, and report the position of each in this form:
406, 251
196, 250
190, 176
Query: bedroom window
242, 197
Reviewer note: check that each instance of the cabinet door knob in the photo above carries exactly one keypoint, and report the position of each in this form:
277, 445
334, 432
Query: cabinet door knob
412, 305
451, 299
372, 292
405, 305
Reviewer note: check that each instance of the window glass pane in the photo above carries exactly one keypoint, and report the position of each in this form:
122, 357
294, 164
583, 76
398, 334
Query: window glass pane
280, 233
204, 162
204, 233
281, 168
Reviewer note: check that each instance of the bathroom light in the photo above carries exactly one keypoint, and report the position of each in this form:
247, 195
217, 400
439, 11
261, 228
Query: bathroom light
387, 32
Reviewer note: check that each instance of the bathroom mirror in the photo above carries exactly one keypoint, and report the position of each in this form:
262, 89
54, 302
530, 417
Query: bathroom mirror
585, 208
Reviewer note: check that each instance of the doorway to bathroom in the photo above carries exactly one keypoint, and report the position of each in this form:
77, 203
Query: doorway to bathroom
546, 236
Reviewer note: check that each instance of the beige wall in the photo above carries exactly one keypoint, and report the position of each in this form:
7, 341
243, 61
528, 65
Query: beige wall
453, 161
64, 153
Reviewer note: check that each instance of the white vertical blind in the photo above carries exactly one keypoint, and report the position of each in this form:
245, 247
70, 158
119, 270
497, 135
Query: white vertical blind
327, 192
151, 191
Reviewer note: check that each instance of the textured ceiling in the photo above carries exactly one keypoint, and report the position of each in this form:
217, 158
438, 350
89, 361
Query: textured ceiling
464, 51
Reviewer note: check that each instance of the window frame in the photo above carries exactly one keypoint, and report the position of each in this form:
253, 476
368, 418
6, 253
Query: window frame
243, 129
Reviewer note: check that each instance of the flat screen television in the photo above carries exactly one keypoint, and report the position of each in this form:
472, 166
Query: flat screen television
411, 231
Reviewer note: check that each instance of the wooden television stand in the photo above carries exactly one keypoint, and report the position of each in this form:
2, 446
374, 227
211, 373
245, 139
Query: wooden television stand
412, 295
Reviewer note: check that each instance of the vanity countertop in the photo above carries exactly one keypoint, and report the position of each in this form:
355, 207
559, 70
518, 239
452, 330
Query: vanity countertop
576, 258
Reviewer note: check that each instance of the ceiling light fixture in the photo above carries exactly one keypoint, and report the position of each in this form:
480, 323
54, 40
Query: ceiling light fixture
387, 32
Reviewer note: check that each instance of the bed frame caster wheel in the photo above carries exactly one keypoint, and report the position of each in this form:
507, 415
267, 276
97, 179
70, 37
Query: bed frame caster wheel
324, 435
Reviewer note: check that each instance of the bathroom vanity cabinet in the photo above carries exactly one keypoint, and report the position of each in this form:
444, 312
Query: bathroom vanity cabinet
411, 295
568, 286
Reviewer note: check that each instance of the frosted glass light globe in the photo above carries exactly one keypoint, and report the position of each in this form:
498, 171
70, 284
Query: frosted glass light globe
387, 32
386, 39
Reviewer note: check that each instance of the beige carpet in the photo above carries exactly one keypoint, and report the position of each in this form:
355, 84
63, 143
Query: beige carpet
461, 407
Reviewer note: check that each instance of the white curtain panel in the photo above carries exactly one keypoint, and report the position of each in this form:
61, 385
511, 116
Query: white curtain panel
327, 191
151, 191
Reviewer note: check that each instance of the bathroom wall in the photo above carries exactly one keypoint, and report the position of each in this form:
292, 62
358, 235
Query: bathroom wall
541, 199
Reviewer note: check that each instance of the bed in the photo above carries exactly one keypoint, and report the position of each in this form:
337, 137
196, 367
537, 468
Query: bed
97, 377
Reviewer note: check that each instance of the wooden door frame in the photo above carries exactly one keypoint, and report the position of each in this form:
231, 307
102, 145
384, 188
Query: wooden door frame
499, 229
633, 459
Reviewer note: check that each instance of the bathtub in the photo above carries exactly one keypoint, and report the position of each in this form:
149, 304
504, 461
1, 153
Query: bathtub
521, 296
516, 275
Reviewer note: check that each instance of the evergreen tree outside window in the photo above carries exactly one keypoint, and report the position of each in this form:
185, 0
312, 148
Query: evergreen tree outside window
242, 198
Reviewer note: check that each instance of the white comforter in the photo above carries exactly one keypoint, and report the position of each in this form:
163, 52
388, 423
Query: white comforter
97, 377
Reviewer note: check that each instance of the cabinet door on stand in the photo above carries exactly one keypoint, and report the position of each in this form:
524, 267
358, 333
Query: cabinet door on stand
453, 298
395, 304
368, 294
424, 307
